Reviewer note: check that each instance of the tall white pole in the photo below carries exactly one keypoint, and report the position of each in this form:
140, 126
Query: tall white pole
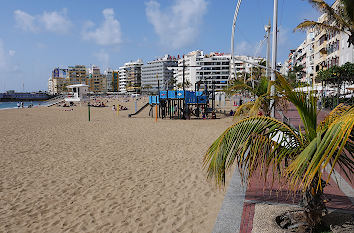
232, 41
268, 27
274, 56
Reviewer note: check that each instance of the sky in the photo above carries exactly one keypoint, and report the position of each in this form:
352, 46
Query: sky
37, 36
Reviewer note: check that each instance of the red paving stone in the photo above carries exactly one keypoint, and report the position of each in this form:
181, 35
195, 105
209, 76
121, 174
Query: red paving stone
260, 191
247, 217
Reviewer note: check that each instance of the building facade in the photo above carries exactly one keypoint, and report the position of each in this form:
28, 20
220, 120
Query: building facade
321, 50
58, 81
115, 80
158, 74
108, 73
122, 86
97, 81
131, 73
214, 70
77, 75
190, 70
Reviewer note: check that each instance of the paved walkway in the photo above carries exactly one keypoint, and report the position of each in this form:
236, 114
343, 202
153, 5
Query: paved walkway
238, 208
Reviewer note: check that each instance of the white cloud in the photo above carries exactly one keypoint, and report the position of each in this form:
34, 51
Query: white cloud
245, 48
56, 21
12, 52
25, 21
178, 25
48, 21
108, 33
41, 45
5, 63
103, 57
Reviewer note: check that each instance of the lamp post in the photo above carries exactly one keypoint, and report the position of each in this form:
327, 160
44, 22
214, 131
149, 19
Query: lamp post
267, 29
274, 56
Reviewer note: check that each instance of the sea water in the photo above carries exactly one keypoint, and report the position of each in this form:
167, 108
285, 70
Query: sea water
8, 105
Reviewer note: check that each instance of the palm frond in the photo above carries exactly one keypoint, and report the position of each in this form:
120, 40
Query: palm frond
238, 87
332, 116
251, 143
332, 14
243, 109
305, 104
349, 10
308, 24
325, 149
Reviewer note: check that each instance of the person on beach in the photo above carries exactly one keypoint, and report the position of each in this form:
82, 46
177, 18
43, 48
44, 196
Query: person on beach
18, 104
114, 108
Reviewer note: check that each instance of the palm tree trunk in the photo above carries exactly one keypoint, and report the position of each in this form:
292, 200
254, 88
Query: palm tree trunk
313, 203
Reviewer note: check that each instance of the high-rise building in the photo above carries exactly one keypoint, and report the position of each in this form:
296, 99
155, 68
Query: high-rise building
115, 80
122, 74
190, 70
97, 81
214, 70
58, 81
131, 74
108, 73
77, 75
321, 50
158, 74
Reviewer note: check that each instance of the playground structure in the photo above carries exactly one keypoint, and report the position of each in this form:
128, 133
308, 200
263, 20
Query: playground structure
179, 104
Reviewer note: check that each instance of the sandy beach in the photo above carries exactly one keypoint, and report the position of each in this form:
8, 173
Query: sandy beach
61, 173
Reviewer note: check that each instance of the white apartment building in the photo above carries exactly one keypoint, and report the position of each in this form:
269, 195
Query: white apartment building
109, 78
243, 64
190, 70
322, 50
214, 70
58, 81
158, 74
122, 74
346, 53
213, 67
310, 57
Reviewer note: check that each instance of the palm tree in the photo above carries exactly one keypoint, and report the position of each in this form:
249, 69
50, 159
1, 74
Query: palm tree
261, 144
261, 91
340, 20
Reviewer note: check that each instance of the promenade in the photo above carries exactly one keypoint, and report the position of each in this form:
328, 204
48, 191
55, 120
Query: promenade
253, 207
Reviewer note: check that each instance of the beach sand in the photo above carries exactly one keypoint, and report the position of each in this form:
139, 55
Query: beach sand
61, 173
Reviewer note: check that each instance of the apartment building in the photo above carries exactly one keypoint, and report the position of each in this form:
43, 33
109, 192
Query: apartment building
190, 70
97, 81
115, 80
77, 75
108, 73
122, 85
321, 50
158, 74
131, 74
58, 81
214, 70
243, 64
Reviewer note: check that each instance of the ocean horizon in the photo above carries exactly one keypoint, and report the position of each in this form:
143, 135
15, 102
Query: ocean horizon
13, 104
